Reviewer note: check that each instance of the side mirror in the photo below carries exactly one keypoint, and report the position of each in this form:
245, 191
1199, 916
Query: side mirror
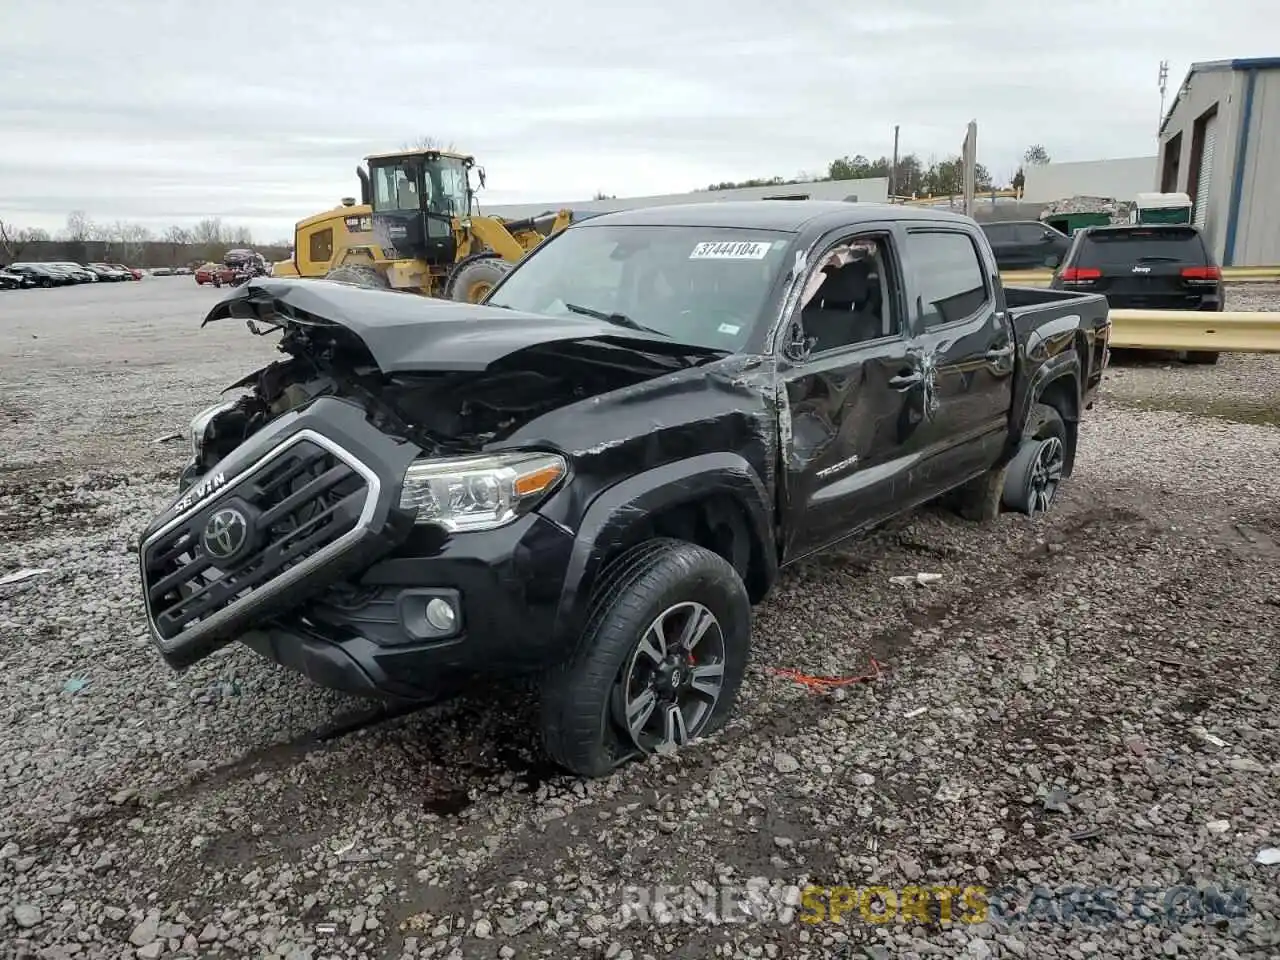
1052, 261
798, 346
480, 174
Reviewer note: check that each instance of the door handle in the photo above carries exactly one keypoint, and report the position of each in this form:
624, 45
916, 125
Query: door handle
1000, 354
905, 381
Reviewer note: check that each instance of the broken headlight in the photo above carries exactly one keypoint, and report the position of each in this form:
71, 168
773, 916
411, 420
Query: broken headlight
479, 492
200, 425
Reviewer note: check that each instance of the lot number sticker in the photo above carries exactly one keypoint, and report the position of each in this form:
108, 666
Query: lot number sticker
730, 250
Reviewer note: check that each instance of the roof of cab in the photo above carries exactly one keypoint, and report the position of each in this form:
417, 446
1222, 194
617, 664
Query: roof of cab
784, 215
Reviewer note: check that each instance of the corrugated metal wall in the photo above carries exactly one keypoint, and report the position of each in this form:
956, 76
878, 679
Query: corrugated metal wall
1204, 180
1207, 90
1258, 228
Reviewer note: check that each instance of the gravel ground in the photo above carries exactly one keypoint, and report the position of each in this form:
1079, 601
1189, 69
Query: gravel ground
1088, 703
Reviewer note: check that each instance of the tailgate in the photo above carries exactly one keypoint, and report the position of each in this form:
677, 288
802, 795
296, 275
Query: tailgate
1146, 268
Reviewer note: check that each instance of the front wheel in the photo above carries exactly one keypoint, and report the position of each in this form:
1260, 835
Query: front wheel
659, 664
473, 280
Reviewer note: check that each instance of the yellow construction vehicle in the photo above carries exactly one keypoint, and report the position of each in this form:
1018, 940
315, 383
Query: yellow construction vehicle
416, 230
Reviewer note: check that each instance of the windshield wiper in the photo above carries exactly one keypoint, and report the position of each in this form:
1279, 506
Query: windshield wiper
619, 319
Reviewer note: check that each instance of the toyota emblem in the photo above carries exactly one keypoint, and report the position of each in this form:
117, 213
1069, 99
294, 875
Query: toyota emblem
225, 533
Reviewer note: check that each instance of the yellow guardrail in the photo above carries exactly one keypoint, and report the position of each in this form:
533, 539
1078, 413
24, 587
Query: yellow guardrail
1226, 332
1041, 278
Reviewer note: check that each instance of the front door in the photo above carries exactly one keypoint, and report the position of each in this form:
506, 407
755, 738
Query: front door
966, 352
850, 413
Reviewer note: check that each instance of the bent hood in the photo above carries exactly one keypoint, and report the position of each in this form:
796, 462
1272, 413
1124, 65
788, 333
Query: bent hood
407, 333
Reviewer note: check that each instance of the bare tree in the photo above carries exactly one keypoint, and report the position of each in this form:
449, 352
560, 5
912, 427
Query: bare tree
79, 227
14, 240
209, 231
427, 143
133, 239
242, 237
107, 234
179, 240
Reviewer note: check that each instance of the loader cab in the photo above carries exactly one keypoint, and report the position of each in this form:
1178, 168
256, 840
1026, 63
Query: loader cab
416, 197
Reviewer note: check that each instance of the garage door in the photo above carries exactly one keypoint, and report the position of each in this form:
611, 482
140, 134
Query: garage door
1206, 170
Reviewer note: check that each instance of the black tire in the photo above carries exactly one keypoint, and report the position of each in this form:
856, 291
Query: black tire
358, 275
1044, 421
1034, 475
980, 499
472, 279
580, 697
1205, 357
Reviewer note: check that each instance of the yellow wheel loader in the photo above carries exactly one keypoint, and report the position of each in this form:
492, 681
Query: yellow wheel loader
415, 230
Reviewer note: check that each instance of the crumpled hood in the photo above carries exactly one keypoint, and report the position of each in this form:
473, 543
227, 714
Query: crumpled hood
406, 333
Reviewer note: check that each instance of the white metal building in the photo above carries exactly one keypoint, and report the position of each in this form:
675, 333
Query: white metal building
865, 191
1220, 144
1119, 179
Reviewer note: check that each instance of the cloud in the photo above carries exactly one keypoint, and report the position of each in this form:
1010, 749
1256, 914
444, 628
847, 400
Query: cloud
166, 112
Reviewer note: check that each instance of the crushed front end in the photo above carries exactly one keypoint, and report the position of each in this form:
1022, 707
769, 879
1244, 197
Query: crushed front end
363, 525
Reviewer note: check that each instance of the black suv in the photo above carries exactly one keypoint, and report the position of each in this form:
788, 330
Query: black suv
1149, 267
1025, 244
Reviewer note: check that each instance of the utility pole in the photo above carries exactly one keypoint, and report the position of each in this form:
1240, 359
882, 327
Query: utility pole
968, 160
1163, 81
893, 170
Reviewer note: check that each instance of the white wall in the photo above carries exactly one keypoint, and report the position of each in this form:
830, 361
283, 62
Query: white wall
867, 191
1118, 179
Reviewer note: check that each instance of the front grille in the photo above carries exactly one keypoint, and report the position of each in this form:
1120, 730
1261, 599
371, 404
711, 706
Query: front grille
295, 504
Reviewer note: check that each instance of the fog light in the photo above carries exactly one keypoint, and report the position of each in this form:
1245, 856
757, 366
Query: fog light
441, 615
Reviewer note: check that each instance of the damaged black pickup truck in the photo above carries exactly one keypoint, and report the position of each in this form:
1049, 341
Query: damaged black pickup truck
591, 478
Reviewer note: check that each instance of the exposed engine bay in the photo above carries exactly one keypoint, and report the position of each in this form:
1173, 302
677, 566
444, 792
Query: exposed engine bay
447, 413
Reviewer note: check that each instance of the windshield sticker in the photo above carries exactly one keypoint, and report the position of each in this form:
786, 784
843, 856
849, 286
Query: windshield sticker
731, 250
728, 328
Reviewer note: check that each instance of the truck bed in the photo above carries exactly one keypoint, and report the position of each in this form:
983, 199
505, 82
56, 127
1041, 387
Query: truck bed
1038, 314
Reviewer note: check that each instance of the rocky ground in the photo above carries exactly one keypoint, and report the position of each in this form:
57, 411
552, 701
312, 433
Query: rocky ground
1078, 724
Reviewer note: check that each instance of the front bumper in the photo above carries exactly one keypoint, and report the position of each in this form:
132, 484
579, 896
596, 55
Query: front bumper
369, 637
347, 609
308, 501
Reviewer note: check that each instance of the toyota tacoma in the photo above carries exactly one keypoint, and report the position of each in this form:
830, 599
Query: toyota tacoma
591, 477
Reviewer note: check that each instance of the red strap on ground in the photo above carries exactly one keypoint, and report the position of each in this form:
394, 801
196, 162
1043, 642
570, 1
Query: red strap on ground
827, 683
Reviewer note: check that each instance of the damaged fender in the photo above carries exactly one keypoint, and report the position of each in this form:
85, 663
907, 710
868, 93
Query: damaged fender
612, 520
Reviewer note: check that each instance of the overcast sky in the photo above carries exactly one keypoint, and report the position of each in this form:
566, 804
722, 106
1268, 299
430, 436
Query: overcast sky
167, 111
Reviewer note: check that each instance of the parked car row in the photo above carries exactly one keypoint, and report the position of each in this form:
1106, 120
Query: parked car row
18, 276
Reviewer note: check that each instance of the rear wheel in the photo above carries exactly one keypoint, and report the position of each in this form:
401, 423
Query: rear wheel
1034, 475
473, 280
358, 275
659, 664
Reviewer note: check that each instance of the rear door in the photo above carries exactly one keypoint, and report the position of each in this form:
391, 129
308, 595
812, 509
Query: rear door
963, 339
1146, 268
